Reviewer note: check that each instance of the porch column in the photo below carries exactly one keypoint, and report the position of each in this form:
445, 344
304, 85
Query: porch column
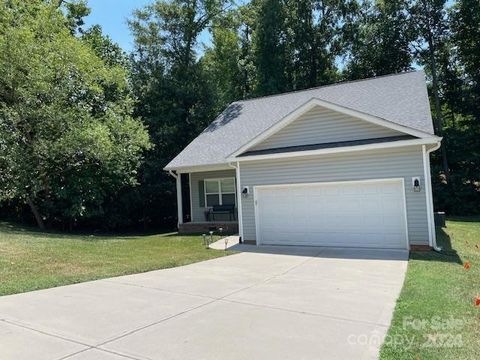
179, 199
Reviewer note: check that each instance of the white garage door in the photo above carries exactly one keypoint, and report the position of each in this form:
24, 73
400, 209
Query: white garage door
350, 214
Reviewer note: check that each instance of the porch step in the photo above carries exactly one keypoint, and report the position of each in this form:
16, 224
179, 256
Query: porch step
229, 227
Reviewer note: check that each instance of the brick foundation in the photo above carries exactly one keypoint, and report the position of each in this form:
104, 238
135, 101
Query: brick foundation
204, 227
420, 248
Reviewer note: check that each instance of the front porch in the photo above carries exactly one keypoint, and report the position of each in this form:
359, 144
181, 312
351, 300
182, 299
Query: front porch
207, 201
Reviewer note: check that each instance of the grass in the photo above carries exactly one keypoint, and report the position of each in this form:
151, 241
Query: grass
32, 260
435, 316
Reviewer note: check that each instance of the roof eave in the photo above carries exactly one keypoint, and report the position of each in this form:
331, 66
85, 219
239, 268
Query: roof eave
198, 167
377, 146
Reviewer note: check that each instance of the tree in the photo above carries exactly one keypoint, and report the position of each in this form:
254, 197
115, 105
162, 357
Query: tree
431, 26
269, 47
378, 39
75, 11
175, 98
103, 46
296, 43
223, 60
301, 48
67, 138
466, 37
459, 86
229, 62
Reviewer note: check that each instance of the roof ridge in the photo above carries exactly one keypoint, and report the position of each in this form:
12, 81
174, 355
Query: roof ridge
343, 82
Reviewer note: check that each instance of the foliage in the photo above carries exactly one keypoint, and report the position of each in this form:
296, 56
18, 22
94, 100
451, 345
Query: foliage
378, 38
269, 50
224, 63
68, 139
110, 52
174, 94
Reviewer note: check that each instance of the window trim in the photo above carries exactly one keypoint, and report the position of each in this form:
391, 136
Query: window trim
220, 193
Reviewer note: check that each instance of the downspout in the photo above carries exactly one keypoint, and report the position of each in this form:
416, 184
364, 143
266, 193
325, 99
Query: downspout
239, 200
428, 188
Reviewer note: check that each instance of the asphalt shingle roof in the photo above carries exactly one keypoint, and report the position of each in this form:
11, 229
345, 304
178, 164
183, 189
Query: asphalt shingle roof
400, 99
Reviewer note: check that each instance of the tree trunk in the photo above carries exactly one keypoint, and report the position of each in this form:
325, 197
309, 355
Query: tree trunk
36, 214
438, 109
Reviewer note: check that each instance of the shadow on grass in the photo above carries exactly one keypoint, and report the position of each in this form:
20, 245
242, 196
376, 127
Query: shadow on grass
474, 218
448, 253
19, 229
216, 235
25, 230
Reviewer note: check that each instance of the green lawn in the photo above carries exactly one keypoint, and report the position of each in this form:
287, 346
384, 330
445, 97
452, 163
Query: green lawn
435, 312
31, 260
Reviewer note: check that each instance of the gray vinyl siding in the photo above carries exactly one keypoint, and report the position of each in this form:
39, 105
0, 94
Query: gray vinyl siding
198, 213
405, 162
321, 125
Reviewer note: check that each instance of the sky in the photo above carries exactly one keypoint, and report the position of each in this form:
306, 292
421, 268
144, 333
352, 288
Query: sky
112, 16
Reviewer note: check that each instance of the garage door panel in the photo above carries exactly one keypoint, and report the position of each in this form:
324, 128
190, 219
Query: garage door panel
369, 189
363, 214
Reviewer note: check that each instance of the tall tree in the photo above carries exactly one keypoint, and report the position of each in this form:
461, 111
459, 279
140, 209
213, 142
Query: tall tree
222, 60
247, 57
431, 24
302, 53
67, 137
459, 82
466, 27
269, 47
378, 39
175, 96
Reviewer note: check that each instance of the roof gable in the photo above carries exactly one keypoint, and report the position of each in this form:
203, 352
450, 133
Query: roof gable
317, 123
401, 100
321, 125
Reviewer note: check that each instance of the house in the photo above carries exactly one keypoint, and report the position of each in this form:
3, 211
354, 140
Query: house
343, 165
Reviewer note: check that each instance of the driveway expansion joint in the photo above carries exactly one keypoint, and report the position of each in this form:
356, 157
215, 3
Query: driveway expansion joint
162, 290
305, 313
43, 332
102, 350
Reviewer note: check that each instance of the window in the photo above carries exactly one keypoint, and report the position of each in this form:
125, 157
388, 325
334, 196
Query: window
219, 192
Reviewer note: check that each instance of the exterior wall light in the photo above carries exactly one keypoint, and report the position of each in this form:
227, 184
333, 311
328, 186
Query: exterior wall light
416, 184
245, 191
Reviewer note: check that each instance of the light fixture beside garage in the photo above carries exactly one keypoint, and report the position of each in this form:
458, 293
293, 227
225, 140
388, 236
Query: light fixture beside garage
245, 191
416, 184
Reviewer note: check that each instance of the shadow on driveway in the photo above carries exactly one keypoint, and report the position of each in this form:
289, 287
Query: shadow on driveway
308, 251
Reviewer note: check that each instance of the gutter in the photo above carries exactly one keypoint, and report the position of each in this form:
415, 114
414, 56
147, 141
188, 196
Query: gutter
337, 150
428, 181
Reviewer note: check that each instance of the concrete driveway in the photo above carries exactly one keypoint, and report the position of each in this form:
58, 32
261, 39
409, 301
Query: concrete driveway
264, 303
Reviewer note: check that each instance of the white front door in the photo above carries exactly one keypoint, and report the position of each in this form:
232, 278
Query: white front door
347, 214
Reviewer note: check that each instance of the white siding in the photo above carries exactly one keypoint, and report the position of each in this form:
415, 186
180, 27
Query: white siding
321, 125
198, 213
405, 162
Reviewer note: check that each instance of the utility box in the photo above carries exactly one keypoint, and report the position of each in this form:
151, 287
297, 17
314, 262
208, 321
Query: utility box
439, 219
